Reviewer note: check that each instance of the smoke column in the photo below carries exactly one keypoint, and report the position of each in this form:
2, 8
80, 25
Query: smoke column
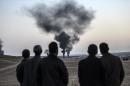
1, 51
0, 44
66, 20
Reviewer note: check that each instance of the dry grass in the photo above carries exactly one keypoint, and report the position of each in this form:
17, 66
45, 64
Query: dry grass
8, 77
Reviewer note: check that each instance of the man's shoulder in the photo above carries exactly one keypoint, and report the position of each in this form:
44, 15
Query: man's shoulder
22, 62
51, 58
118, 60
114, 57
29, 60
44, 59
108, 56
83, 61
99, 59
35, 58
59, 59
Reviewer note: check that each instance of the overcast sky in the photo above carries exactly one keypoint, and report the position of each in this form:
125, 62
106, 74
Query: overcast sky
111, 24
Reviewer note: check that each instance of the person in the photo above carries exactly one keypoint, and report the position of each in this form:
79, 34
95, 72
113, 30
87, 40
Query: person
31, 67
20, 67
90, 69
114, 72
53, 70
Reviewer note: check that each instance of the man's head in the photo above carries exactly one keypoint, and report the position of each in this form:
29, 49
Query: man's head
92, 49
26, 53
104, 48
37, 50
53, 48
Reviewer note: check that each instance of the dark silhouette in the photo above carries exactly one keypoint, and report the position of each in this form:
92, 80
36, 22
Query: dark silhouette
64, 39
90, 70
53, 71
31, 67
63, 51
1, 51
113, 66
20, 67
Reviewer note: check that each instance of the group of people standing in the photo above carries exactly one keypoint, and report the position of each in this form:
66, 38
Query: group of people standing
51, 70
105, 71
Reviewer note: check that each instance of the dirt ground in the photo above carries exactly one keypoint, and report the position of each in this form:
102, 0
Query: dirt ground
8, 75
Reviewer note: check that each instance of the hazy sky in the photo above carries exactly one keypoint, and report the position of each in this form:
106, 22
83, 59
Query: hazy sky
111, 24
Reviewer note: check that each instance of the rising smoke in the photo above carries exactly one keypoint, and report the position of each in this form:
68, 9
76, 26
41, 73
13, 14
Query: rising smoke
66, 20
0, 44
1, 51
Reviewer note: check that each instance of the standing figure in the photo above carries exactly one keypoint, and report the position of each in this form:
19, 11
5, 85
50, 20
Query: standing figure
31, 67
20, 67
114, 72
90, 70
53, 70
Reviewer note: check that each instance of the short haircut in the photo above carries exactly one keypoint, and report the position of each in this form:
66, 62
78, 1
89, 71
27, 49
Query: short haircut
104, 47
37, 49
92, 49
53, 48
26, 53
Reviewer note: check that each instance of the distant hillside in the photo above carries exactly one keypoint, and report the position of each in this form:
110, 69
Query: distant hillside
8, 57
122, 54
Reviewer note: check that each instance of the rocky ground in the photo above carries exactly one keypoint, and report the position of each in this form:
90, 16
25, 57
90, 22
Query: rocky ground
8, 67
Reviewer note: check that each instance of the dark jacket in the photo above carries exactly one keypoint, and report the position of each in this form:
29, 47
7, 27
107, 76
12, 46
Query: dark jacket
20, 71
53, 72
114, 70
91, 72
30, 72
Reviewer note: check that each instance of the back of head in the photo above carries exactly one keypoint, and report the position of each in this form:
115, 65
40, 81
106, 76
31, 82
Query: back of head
37, 50
26, 53
104, 48
53, 48
92, 49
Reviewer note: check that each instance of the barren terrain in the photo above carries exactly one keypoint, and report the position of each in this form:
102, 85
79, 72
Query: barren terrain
8, 67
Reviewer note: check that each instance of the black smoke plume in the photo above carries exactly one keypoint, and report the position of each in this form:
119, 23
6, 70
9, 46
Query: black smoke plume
66, 20
0, 44
1, 51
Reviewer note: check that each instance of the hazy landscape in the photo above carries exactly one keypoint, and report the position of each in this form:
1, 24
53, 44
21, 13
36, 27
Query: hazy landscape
72, 24
8, 66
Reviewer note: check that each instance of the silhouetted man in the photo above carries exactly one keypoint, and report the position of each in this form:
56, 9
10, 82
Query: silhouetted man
53, 70
90, 70
30, 73
113, 66
20, 67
